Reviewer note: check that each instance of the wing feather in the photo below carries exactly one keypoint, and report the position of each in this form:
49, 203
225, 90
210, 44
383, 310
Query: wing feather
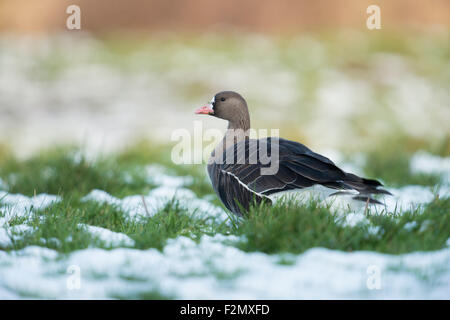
298, 168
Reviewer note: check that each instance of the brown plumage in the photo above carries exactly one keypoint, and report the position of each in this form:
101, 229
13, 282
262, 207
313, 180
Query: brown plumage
236, 174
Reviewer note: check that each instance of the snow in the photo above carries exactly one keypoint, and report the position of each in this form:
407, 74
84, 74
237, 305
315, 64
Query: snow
403, 199
410, 198
110, 238
187, 270
157, 175
17, 205
14, 233
169, 188
353, 219
423, 162
157, 199
410, 225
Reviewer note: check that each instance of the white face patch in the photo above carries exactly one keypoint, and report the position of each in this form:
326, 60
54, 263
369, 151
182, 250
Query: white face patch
213, 100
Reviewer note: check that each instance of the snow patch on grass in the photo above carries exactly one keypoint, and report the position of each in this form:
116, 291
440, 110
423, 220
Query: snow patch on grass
353, 219
110, 238
403, 199
169, 188
409, 198
409, 226
147, 206
11, 234
423, 162
157, 175
211, 269
18, 205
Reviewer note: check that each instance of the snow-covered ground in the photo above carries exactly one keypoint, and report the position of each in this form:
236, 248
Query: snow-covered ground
213, 268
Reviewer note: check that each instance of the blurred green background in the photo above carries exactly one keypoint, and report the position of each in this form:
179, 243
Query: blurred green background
137, 70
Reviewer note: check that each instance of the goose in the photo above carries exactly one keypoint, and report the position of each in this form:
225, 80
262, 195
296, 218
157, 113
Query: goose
240, 177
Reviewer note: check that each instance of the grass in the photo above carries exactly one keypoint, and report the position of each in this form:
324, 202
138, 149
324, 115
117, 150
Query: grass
65, 172
171, 222
285, 227
145, 152
145, 295
57, 226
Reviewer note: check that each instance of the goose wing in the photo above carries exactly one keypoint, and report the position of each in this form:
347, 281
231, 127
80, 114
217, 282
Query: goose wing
297, 167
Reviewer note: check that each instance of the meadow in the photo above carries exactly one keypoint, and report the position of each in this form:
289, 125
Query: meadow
88, 190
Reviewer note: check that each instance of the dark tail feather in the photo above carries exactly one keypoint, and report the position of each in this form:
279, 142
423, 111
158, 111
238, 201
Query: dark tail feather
376, 184
372, 182
364, 199
365, 186
381, 191
342, 193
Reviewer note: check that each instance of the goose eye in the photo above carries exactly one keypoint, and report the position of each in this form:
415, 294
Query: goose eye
222, 99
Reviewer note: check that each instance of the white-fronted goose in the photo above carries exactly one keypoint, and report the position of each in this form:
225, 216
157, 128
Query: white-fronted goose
238, 180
